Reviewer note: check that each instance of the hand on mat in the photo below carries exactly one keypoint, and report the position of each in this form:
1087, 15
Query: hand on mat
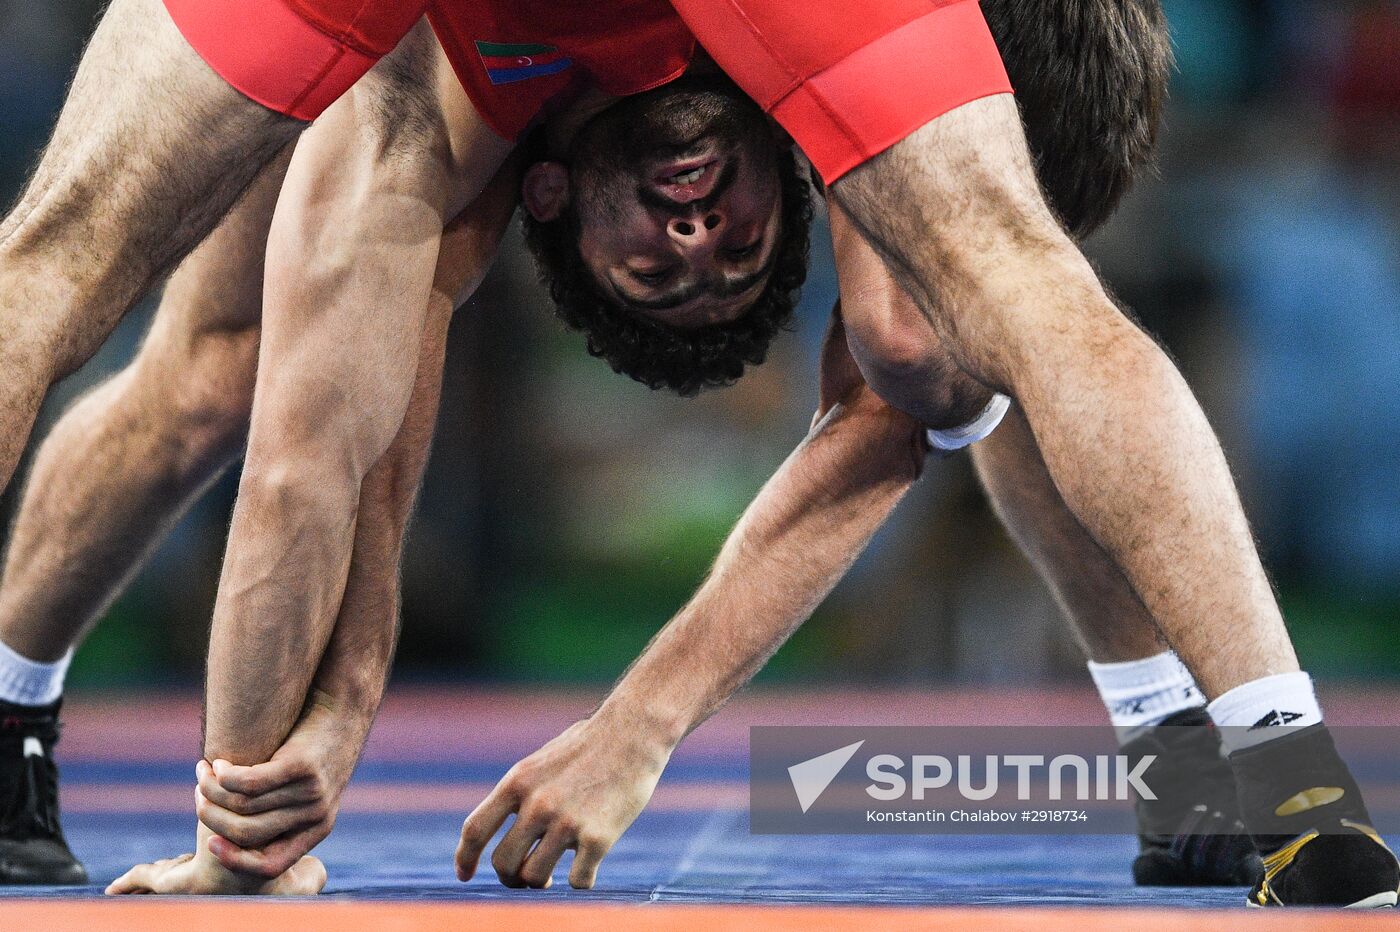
580, 791
266, 817
204, 876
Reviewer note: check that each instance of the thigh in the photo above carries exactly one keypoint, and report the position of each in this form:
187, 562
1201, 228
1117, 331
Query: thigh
219, 286
958, 216
848, 80
149, 153
201, 356
145, 131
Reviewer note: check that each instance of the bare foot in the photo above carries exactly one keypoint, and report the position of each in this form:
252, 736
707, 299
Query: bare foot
205, 876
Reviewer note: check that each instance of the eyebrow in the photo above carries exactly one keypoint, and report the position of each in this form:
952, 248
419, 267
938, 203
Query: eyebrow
728, 288
673, 298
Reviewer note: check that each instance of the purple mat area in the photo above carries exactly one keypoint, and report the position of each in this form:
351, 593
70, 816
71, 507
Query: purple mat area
128, 776
707, 857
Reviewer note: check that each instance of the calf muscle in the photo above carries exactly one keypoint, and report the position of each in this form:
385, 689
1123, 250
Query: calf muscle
1105, 613
125, 462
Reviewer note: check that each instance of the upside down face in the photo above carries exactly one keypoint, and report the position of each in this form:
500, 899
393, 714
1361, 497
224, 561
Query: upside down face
675, 200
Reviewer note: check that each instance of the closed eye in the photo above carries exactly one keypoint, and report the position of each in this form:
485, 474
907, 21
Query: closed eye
743, 252
651, 278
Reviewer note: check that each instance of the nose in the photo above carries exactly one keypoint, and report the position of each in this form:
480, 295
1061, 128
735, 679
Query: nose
692, 233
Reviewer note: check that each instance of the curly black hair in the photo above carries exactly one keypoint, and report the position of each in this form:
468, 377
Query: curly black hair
661, 356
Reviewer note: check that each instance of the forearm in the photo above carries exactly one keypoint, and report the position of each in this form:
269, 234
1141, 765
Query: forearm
349, 683
350, 680
273, 618
583, 789
350, 268
797, 539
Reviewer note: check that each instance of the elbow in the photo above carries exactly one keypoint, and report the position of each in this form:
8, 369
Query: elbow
334, 423
302, 490
889, 446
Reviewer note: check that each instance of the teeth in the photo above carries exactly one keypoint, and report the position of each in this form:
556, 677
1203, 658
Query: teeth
689, 177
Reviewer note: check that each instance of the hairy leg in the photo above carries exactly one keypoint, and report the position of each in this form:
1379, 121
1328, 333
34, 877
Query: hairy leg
1107, 615
1104, 612
151, 150
956, 213
124, 463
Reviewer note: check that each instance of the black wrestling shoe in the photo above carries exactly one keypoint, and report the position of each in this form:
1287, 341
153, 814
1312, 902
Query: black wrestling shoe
1309, 822
32, 847
1191, 835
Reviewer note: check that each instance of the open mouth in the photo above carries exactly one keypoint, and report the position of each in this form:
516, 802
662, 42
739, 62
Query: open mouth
688, 180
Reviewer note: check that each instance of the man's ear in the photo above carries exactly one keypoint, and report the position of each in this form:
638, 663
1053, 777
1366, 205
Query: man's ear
545, 190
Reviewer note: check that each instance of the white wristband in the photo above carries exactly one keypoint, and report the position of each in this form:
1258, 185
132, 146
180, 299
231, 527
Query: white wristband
955, 438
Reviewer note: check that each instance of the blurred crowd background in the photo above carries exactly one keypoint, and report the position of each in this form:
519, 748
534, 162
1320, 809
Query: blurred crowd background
568, 513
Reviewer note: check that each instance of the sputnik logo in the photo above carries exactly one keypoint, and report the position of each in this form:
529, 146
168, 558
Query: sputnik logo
811, 777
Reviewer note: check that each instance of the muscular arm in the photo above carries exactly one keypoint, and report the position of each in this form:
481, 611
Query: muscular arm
349, 683
268, 816
792, 545
351, 264
351, 261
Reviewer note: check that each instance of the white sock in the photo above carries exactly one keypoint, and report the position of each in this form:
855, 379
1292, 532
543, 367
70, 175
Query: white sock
29, 682
1141, 693
1266, 708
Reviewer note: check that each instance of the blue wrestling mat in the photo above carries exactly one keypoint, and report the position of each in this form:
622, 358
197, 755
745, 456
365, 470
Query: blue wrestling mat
128, 782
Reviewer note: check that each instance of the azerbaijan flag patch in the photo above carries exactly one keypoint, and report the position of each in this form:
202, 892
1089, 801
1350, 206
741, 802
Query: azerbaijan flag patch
507, 63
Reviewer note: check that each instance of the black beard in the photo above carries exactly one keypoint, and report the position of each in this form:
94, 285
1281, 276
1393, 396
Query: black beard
610, 154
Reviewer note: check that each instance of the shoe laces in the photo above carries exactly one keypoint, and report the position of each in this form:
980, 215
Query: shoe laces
30, 808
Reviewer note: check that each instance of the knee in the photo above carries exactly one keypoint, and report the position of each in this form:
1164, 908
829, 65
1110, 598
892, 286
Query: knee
1037, 316
908, 366
302, 471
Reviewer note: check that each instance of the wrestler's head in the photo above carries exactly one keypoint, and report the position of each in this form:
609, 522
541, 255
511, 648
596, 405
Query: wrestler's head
673, 233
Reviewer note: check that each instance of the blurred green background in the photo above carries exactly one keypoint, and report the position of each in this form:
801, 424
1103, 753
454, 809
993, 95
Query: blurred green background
568, 513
